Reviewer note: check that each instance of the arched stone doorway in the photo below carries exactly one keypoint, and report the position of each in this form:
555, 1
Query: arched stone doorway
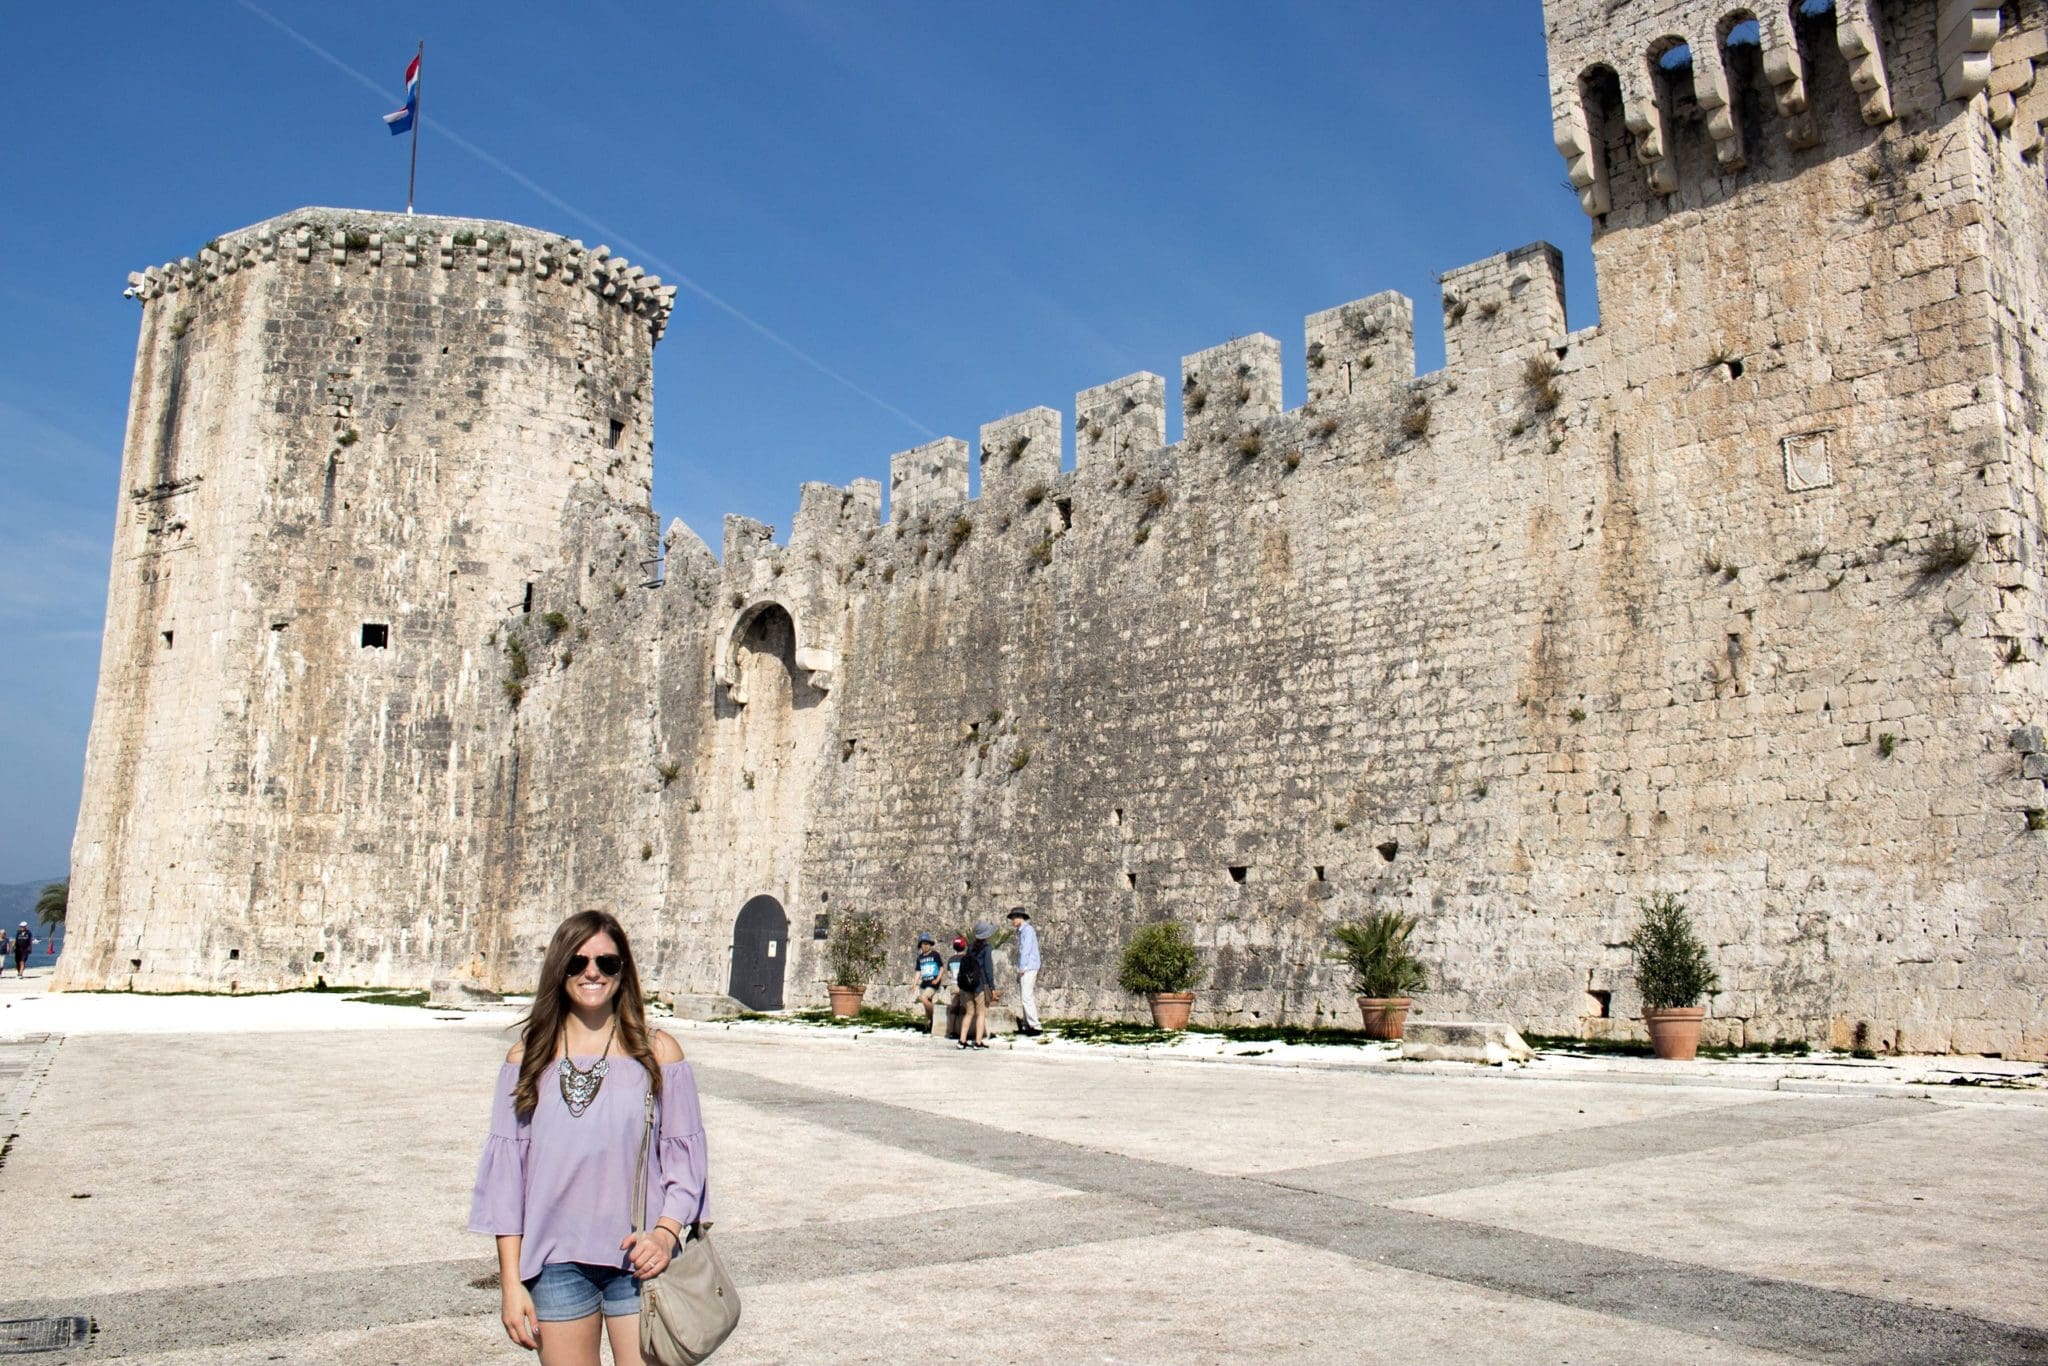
760, 947
767, 631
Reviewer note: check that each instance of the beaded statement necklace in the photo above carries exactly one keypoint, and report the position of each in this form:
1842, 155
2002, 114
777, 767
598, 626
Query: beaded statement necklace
580, 1085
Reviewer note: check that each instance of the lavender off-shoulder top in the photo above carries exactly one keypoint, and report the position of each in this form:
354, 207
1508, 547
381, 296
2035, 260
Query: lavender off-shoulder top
565, 1182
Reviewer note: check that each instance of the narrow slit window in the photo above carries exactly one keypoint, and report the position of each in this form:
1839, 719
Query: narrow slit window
1238, 871
1130, 879
234, 955
1319, 874
618, 433
168, 636
376, 635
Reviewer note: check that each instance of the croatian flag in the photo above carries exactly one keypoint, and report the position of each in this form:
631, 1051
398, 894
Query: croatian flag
401, 122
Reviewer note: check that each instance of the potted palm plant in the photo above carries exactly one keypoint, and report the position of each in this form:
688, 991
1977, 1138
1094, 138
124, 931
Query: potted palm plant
1383, 971
1672, 973
855, 954
1162, 964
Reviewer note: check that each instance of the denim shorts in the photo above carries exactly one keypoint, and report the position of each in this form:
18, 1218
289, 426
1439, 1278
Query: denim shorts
574, 1290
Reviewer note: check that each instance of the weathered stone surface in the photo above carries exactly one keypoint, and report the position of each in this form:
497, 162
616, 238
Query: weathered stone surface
1459, 1041
705, 1005
1739, 594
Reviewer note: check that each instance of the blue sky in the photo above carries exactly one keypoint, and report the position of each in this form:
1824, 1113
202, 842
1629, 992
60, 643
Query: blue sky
946, 212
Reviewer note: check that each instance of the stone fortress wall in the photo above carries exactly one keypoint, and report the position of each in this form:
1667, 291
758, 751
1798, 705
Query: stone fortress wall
1739, 594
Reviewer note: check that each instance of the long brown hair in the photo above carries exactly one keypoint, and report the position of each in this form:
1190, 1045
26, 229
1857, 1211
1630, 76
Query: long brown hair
546, 1018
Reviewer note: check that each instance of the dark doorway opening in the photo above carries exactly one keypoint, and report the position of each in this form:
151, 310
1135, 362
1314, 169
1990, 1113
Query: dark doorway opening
760, 946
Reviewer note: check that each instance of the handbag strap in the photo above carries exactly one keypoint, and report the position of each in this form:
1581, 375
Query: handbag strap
698, 1227
640, 1167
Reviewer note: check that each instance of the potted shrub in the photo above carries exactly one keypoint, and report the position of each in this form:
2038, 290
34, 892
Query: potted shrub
1383, 972
1672, 973
1162, 965
855, 953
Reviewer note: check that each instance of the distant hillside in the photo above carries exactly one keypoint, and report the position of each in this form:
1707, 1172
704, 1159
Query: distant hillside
18, 900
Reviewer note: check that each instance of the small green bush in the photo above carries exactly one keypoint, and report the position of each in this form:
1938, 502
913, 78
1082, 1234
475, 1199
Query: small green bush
1376, 951
855, 952
1672, 968
1160, 957
1947, 554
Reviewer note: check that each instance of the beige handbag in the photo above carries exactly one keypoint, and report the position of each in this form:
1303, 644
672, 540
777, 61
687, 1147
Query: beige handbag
691, 1308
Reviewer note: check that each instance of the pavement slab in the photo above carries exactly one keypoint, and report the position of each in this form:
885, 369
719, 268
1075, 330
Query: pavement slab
299, 1194
1939, 1207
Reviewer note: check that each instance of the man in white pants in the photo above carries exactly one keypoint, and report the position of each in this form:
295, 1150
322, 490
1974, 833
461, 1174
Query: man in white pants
1027, 972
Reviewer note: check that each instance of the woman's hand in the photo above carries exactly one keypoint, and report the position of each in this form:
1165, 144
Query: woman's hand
648, 1252
517, 1314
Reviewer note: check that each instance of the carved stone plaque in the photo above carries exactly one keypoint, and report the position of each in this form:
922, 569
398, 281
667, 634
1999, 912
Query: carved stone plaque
1806, 462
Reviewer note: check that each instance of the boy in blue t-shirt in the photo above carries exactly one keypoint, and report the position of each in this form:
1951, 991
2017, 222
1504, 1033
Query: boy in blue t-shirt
930, 969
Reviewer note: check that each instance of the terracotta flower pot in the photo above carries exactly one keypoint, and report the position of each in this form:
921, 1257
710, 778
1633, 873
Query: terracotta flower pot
1674, 1031
1386, 1017
1170, 1008
846, 1000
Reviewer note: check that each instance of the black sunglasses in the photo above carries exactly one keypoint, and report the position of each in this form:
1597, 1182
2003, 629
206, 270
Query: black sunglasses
607, 963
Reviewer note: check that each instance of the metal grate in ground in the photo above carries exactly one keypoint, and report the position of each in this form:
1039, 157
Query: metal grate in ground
22, 1337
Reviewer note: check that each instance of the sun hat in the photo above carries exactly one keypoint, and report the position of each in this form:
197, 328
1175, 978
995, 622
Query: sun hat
1019, 913
982, 929
924, 938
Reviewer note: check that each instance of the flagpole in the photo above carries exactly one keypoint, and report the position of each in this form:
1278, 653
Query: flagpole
412, 174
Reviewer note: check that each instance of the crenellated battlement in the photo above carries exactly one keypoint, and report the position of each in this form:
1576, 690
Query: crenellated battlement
934, 474
1622, 76
1231, 386
1359, 353
1495, 308
1358, 366
334, 237
1118, 418
1019, 452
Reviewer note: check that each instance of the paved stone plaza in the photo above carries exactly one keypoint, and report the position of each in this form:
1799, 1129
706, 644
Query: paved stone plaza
295, 1190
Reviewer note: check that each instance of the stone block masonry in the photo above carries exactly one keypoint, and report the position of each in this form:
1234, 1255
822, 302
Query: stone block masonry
356, 443
1737, 594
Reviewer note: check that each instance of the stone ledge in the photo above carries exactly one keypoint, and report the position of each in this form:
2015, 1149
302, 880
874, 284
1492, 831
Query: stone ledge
706, 1005
1459, 1041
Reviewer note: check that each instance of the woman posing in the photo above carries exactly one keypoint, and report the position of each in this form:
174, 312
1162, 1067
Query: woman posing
556, 1181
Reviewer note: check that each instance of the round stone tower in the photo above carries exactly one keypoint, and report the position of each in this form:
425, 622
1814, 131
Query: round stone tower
354, 440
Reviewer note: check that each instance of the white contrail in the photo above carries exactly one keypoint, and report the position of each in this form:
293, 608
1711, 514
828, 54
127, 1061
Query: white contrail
669, 272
